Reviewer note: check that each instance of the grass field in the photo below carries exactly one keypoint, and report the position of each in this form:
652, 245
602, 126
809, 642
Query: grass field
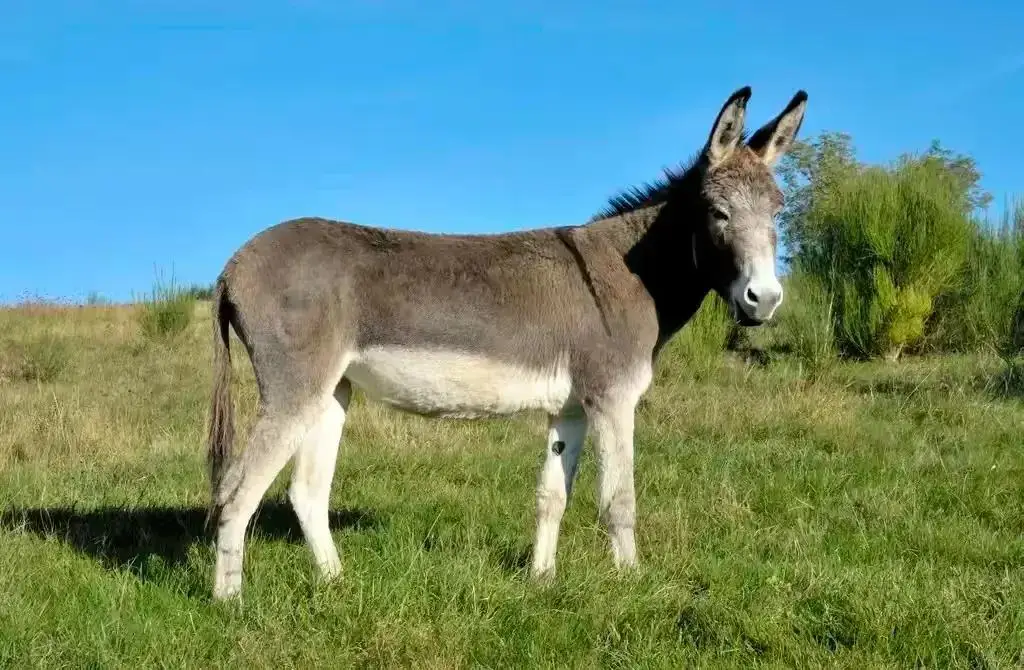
872, 518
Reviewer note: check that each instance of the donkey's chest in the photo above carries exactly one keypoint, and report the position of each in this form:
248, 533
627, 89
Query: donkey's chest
456, 384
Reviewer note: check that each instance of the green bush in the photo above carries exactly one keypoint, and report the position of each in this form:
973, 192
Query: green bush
984, 309
167, 312
885, 242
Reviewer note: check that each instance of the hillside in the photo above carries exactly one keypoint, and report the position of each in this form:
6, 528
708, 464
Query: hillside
872, 517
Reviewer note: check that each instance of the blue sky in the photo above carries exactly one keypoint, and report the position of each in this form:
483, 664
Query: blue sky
155, 136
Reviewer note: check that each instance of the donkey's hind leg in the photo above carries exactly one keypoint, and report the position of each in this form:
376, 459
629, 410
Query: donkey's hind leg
278, 432
566, 434
312, 475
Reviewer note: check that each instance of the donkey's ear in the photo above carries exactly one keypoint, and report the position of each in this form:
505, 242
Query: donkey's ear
728, 128
776, 137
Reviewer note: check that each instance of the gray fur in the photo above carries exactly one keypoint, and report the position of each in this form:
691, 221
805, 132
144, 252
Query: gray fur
567, 320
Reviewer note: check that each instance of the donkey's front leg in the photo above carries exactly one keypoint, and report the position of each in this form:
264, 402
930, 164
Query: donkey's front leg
554, 486
613, 429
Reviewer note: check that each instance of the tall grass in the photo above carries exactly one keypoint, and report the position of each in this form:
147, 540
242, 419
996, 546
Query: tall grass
701, 343
167, 312
807, 324
42, 359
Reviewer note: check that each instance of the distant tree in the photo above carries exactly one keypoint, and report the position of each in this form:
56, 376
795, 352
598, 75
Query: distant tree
200, 292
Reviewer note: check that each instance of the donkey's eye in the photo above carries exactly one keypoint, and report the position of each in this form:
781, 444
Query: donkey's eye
719, 214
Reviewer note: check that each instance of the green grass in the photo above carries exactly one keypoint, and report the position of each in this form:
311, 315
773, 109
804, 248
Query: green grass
167, 312
874, 518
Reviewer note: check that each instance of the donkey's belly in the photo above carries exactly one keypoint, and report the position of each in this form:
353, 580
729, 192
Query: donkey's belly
440, 383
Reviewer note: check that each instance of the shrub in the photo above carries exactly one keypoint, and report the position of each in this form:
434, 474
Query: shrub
41, 360
985, 309
167, 312
885, 242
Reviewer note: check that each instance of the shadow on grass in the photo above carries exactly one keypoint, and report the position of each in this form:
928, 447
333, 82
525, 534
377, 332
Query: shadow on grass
1006, 384
513, 559
121, 537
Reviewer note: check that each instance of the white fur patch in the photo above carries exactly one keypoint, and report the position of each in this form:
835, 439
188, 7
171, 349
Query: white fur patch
758, 277
455, 384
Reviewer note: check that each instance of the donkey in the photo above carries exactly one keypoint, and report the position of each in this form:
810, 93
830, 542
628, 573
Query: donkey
566, 320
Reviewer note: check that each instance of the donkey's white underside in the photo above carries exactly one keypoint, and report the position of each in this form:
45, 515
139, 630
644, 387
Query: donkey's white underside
455, 384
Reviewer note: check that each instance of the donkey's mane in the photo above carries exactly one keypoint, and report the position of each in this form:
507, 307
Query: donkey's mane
645, 195
655, 192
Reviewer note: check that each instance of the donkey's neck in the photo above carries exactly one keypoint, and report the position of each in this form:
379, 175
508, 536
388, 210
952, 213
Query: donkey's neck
656, 244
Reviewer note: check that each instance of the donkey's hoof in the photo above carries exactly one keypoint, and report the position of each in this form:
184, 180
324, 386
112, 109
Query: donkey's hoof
227, 593
542, 576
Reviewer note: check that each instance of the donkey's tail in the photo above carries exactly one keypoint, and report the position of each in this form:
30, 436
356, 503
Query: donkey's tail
222, 421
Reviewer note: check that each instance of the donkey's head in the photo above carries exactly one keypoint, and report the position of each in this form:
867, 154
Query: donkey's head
734, 237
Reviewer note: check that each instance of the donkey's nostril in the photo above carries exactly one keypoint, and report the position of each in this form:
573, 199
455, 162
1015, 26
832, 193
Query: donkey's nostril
751, 297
